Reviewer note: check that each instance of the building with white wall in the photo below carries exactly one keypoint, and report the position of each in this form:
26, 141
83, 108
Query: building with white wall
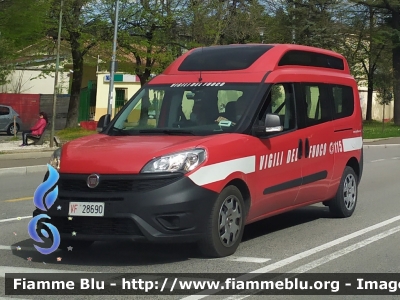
377, 109
36, 81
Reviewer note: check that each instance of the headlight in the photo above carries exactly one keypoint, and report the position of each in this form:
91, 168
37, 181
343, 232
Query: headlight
182, 161
55, 159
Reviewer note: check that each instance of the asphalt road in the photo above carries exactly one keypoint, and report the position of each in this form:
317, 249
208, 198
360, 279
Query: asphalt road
305, 240
12, 163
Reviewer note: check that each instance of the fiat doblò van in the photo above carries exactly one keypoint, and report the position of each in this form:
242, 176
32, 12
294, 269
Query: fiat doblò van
224, 137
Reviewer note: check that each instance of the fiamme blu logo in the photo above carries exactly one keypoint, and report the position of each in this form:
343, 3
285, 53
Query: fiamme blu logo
43, 198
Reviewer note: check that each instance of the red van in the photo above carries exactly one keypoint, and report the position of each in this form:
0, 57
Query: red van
224, 137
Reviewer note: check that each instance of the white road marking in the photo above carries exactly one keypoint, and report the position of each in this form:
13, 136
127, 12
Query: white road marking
323, 260
344, 251
377, 160
15, 219
3, 247
256, 260
301, 255
395, 157
7, 269
6, 247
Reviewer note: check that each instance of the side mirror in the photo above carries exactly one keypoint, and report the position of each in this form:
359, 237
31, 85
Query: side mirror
103, 122
272, 124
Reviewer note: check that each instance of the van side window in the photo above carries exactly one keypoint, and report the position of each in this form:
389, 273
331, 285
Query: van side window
343, 101
315, 99
280, 101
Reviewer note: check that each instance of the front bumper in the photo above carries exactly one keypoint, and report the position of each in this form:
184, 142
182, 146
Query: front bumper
155, 208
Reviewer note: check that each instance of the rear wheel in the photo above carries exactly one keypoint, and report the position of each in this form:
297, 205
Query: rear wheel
344, 203
225, 225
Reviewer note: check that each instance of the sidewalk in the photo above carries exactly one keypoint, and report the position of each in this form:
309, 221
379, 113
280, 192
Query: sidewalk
16, 160
14, 147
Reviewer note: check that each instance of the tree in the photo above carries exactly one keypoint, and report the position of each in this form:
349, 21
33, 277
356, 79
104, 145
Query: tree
83, 28
384, 88
148, 33
6, 60
238, 21
22, 24
391, 8
368, 40
313, 22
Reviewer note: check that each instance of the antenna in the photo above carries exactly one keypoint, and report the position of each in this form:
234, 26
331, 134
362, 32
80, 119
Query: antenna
201, 79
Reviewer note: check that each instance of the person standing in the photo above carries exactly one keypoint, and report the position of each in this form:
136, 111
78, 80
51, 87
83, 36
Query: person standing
37, 129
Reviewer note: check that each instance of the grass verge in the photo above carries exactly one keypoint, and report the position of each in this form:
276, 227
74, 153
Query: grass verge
69, 134
376, 130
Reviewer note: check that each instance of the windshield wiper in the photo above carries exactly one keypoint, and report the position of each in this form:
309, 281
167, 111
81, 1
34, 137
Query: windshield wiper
167, 131
121, 131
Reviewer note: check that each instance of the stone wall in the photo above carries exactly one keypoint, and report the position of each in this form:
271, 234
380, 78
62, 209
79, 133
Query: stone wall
46, 105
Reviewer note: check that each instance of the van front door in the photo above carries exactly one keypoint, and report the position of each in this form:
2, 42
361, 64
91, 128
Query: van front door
279, 156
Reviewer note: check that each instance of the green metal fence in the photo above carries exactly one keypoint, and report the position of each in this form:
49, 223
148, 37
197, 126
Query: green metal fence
87, 102
119, 99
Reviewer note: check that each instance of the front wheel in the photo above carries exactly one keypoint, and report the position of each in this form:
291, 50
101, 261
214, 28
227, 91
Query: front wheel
344, 203
225, 225
11, 130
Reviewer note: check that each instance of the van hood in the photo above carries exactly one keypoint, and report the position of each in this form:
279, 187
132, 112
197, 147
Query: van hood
103, 154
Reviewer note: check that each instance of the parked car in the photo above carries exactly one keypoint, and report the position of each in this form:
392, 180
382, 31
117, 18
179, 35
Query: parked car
7, 114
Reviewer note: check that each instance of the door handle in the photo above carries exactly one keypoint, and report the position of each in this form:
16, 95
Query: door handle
307, 150
300, 150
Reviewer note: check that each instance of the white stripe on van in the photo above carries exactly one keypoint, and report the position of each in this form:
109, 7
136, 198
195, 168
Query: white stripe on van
352, 144
222, 170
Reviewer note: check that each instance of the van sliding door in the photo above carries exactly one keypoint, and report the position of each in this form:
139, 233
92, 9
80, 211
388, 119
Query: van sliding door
316, 131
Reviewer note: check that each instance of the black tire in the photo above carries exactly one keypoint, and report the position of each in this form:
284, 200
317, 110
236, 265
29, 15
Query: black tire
345, 201
214, 243
10, 130
75, 244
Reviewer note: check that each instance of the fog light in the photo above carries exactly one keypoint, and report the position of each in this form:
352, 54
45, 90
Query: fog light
170, 222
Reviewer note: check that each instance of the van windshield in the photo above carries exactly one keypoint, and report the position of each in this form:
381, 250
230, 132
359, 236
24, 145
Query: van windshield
186, 108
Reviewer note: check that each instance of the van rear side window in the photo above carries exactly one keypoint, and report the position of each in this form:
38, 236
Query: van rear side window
311, 59
343, 102
319, 103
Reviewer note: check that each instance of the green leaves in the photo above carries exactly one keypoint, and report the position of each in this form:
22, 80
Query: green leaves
23, 22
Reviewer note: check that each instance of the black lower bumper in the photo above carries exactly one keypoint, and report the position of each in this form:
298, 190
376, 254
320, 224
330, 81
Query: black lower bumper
176, 212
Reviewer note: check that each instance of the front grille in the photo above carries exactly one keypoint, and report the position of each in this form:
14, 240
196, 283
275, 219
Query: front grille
79, 185
89, 199
96, 226
111, 185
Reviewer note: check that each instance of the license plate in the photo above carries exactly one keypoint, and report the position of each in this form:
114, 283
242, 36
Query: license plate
89, 209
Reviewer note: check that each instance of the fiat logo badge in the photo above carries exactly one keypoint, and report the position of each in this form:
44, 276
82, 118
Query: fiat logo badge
93, 181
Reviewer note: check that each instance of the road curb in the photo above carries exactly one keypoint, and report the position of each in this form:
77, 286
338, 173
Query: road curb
384, 146
31, 155
23, 170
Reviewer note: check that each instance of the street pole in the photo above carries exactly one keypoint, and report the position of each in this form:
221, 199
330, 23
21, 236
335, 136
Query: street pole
112, 72
56, 78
